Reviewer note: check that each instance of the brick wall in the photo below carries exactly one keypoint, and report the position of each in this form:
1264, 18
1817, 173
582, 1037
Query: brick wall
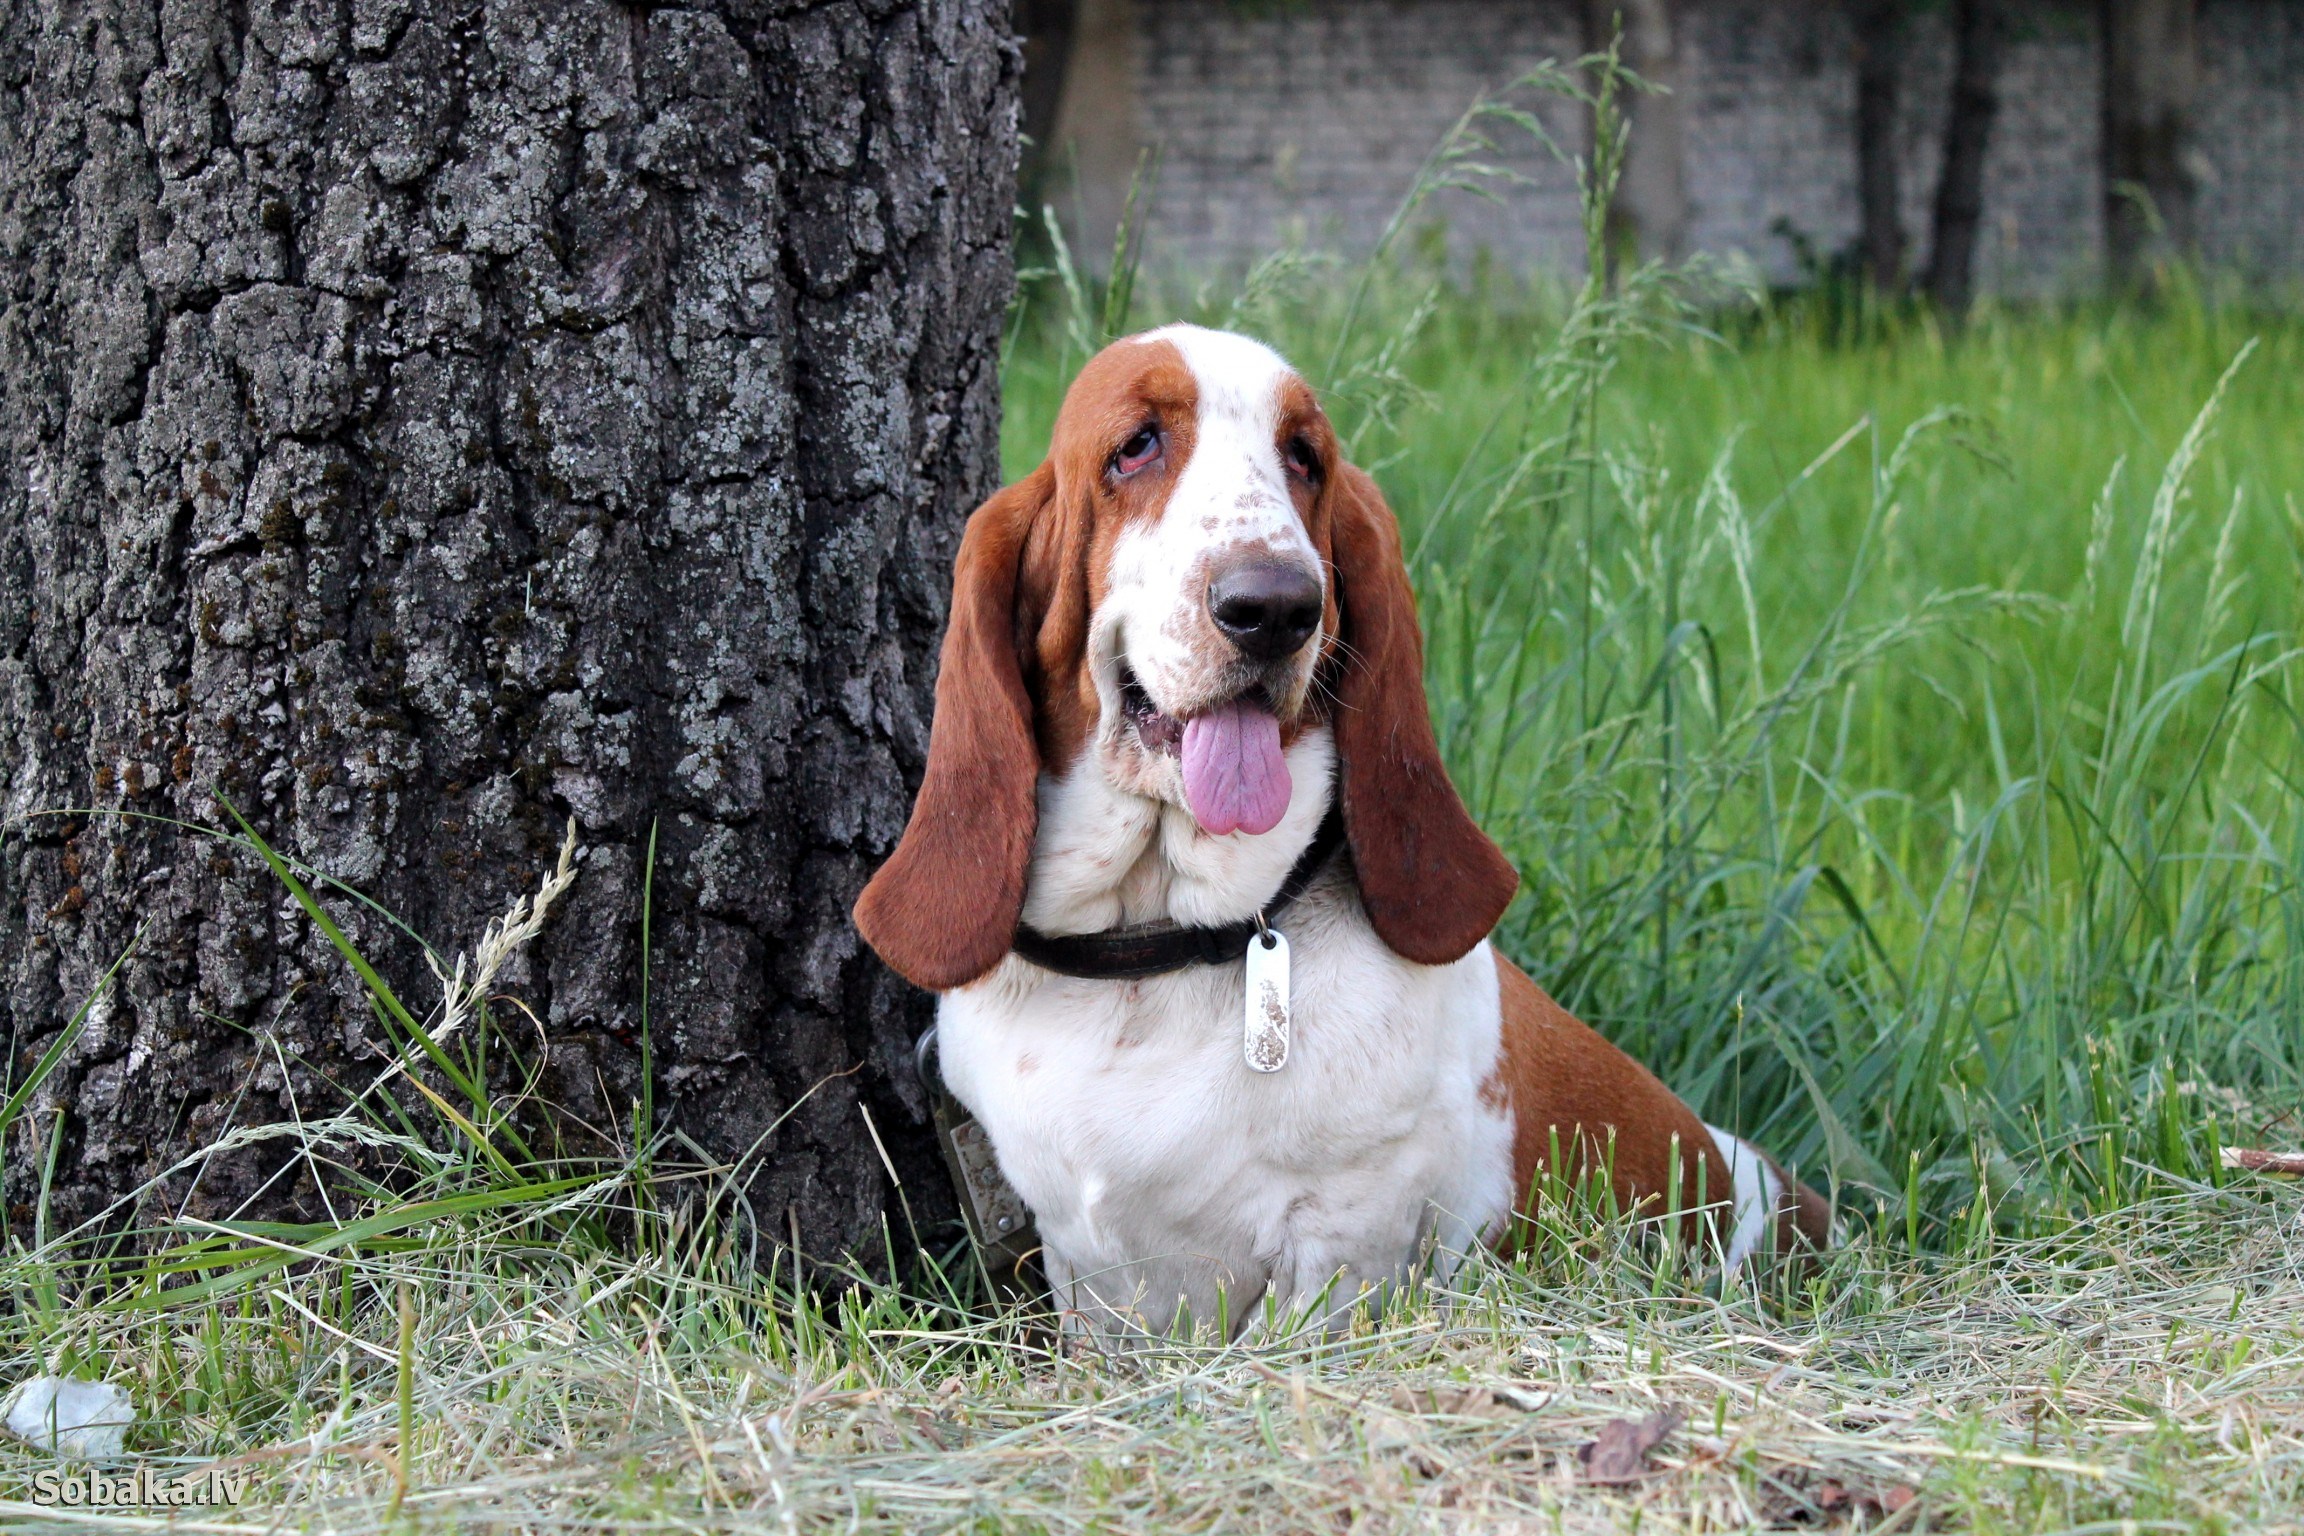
1308, 122
2250, 133
1305, 121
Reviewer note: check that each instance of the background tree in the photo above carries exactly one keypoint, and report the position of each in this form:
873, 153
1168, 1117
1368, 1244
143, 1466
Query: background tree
1046, 29
1879, 31
1083, 116
429, 421
1648, 219
2151, 75
1979, 30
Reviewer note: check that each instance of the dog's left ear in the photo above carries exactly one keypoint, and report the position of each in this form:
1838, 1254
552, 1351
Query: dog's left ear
1432, 882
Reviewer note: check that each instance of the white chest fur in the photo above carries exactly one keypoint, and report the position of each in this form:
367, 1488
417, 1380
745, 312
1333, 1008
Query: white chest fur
1163, 1172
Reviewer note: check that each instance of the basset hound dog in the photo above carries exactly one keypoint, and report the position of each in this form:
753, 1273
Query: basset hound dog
1210, 924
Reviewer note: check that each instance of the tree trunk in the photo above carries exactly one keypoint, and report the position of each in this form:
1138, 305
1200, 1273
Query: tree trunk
1879, 29
2151, 75
429, 422
1648, 220
1098, 141
1977, 28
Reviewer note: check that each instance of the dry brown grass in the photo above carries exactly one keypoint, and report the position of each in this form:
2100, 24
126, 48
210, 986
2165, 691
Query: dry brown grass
2145, 1371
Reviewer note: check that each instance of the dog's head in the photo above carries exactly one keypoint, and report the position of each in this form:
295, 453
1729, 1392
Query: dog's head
1192, 579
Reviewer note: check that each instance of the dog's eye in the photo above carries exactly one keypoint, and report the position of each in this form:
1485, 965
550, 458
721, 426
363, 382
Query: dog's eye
1140, 449
1302, 461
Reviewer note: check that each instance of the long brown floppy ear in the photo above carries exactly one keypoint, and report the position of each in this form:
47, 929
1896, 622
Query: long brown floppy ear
1433, 884
942, 911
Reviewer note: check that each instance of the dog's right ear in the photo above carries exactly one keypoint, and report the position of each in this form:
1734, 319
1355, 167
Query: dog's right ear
943, 910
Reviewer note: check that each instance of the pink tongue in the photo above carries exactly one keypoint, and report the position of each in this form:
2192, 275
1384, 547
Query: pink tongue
1234, 777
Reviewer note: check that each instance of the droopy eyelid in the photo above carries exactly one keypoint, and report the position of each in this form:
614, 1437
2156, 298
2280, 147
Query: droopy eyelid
1153, 441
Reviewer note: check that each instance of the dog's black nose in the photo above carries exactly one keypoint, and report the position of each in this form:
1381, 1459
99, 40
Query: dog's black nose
1268, 608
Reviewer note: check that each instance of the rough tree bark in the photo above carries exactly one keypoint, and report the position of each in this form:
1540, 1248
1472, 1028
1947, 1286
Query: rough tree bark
2151, 75
1879, 29
428, 420
1978, 28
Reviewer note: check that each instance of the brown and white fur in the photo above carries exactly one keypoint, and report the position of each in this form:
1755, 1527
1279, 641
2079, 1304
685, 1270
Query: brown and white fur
1430, 1079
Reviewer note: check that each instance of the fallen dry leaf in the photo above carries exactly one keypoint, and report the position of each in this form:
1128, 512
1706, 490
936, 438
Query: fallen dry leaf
1830, 1502
1619, 1453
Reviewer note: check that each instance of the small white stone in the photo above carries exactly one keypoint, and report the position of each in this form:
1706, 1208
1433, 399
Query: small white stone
87, 1420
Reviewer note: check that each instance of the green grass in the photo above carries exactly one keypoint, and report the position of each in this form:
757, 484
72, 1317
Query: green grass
1896, 731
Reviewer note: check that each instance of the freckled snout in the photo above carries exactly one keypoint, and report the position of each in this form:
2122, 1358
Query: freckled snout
1268, 608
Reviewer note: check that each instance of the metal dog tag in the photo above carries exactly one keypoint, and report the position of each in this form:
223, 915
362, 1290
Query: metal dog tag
1265, 1040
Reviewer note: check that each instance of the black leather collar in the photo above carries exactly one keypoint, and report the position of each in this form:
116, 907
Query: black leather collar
1155, 949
